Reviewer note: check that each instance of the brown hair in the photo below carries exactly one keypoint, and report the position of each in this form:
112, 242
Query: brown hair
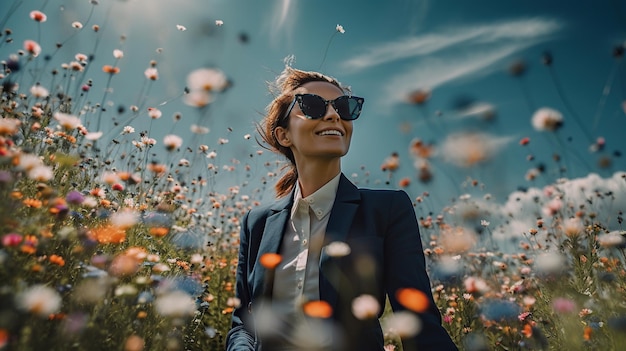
283, 87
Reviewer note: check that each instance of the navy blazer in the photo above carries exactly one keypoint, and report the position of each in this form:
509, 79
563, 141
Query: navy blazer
386, 254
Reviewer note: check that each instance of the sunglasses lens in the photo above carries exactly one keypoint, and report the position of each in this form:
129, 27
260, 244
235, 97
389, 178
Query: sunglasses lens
348, 107
312, 106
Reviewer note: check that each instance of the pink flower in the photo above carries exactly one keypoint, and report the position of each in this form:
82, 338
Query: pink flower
11, 239
38, 16
563, 305
32, 47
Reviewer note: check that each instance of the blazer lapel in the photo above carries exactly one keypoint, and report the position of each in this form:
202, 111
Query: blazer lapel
262, 280
346, 203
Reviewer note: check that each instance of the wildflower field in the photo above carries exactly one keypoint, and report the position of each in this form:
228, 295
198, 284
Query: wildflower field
112, 239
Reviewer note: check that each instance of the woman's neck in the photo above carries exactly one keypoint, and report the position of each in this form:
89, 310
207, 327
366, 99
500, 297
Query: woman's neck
312, 176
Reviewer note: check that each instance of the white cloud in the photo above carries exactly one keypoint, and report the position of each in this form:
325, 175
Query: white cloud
451, 37
450, 54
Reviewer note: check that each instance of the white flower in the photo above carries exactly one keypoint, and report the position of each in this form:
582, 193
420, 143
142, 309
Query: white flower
124, 219
403, 324
198, 98
175, 304
38, 91
151, 73
172, 142
154, 113
41, 173
93, 135
90, 202
365, 307
340, 29
337, 249
573, 226
550, 263
196, 129
40, 300
67, 121
219, 23
77, 25
9, 125
128, 130
466, 149
181, 27
547, 119
118, 54
207, 79
484, 223
613, 239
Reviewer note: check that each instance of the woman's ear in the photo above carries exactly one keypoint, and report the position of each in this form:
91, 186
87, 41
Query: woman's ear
280, 133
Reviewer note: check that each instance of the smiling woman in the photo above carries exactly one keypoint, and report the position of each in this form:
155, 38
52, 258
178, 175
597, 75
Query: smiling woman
310, 297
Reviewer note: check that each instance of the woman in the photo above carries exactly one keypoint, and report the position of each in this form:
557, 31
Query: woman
307, 301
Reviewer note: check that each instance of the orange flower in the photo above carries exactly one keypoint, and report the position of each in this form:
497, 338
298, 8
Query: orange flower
110, 69
528, 330
419, 96
33, 203
270, 260
16, 195
109, 234
58, 260
318, 309
159, 231
413, 299
587, 333
404, 182
4, 337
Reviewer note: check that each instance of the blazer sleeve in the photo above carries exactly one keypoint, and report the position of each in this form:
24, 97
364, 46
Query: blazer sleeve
405, 266
241, 335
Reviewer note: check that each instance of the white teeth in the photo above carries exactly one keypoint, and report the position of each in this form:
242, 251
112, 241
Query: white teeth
330, 132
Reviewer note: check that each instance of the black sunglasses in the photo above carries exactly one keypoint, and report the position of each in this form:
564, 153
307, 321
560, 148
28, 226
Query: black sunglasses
314, 106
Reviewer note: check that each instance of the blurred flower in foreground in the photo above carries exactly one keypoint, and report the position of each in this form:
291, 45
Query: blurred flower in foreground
270, 260
550, 263
40, 300
337, 249
457, 239
201, 83
466, 149
613, 239
413, 299
175, 304
403, 324
365, 307
563, 305
547, 119
134, 343
317, 309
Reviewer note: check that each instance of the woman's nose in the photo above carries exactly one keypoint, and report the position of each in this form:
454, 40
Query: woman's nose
331, 113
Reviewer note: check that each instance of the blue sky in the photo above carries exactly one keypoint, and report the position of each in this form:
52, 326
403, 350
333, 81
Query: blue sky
459, 51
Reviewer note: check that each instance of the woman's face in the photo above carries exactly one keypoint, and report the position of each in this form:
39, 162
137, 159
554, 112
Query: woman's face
316, 139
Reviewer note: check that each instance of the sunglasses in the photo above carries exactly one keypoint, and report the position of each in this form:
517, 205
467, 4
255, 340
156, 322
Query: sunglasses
314, 106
